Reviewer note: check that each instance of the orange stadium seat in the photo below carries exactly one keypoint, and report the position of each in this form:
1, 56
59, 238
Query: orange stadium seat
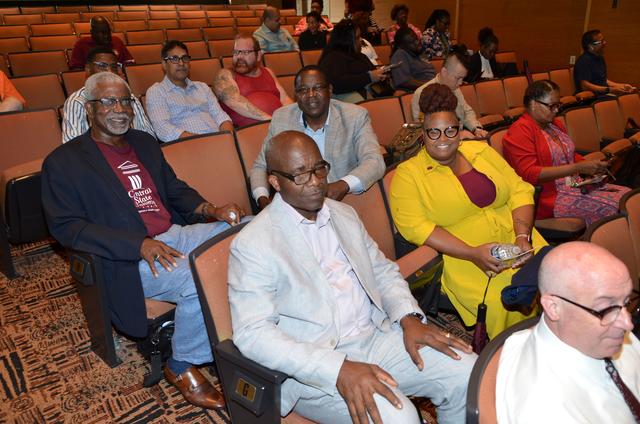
610, 120
288, 84
583, 129
124, 26
283, 63
405, 102
630, 106
61, 18
162, 7
72, 8
40, 91
145, 53
310, 57
386, 117
248, 21
221, 33
250, 139
204, 70
3, 65
219, 48
222, 22
514, 88
188, 7
163, 14
194, 23
9, 11
130, 7
469, 94
288, 12
197, 49
163, 23
246, 29
226, 62
13, 45
53, 42
82, 27
191, 14
491, 100
132, 15
219, 14
384, 54
141, 77
73, 81
23, 19
52, 29
26, 10
37, 63
86, 16
105, 8
538, 76
630, 207
242, 13
153, 36
186, 34
292, 20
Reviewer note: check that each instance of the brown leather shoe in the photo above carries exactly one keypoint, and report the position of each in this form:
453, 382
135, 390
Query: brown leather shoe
195, 388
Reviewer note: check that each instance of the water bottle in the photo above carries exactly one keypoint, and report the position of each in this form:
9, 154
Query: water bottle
505, 252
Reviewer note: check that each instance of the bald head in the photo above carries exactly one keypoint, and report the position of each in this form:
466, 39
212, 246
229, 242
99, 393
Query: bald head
100, 30
283, 146
271, 18
576, 267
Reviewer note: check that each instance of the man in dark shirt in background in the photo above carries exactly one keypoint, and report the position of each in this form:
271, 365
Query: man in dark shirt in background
100, 36
313, 38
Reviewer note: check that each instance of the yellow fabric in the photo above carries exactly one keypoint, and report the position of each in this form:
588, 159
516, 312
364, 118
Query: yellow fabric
425, 194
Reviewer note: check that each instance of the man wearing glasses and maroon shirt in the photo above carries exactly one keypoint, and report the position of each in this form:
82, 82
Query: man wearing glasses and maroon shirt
110, 192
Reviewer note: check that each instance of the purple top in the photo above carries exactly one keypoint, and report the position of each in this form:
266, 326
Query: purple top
478, 187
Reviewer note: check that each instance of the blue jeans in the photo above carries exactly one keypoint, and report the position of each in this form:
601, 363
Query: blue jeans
190, 340
443, 380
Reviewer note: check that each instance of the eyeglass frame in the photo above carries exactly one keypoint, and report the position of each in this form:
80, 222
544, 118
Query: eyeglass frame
425, 131
292, 177
601, 313
598, 42
104, 65
306, 91
243, 52
177, 59
116, 100
551, 106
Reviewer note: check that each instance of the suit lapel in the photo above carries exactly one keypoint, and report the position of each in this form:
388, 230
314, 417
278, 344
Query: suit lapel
97, 161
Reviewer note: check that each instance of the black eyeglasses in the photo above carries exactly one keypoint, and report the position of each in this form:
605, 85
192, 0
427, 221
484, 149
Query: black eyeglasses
103, 66
598, 42
110, 102
607, 315
435, 133
320, 171
177, 59
554, 107
242, 52
306, 91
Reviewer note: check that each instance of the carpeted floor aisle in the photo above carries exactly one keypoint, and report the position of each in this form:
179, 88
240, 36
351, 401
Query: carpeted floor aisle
48, 373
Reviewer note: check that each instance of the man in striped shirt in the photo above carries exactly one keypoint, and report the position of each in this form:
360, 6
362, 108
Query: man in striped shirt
74, 115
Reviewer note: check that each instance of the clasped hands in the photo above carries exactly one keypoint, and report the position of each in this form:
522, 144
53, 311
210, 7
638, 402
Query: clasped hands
481, 256
358, 381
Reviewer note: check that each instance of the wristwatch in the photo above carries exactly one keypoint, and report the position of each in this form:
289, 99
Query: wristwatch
414, 314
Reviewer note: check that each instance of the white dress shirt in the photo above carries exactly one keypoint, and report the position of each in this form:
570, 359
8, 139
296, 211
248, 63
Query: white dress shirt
543, 380
487, 72
353, 304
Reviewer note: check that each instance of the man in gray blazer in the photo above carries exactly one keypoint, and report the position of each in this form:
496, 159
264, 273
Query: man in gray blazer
341, 130
312, 296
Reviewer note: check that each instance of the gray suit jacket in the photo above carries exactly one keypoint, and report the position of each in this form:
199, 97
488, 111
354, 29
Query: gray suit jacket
283, 311
351, 146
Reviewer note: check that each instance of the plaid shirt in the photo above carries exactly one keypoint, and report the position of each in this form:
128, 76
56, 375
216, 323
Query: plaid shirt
174, 110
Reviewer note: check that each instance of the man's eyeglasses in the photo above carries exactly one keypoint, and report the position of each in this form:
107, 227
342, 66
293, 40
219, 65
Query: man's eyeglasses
243, 52
435, 133
110, 102
598, 42
320, 171
607, 315
306, 91
177, 59
554, 107
104, 66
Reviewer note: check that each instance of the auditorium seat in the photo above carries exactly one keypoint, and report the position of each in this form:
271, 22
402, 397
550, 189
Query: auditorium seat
82, 27
247, 29
219, 48
53, 42
245, 13
219, 33
204, 70
405, 102
141, 77
492, 101
582, 128
36, 63
288, 84
630, 208
163, 14
514, 88
630, 107
258, 7
248, 21
222, 22
437, 64
3, 65
564, 78
40, 91
154, 36
61, 18
288, 12
131, 15
12, 31
310, 57
23, 19
104, 8
384, 54
227, 62
133, 25
73, 81
52, 29
132, 7
9, 11
182, 7
27, 10
194, 23
13, 45
163, 23
538, 76
72, 8
219, 14
610, 121
283, 63
293, 20
211, 165
86, 16
146, 53
250, 139
162, 7
191, 14
470, 96
197, 49
386, 117
184, 34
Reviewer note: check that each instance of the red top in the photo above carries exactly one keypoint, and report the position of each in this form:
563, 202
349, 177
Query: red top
527, 151
261, 91
480, 189
139, 186
84, 44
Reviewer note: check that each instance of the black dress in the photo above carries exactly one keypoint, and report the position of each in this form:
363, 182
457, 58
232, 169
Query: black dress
309, 41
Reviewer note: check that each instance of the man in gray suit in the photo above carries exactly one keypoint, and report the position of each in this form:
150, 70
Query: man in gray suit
312, 296
341, 130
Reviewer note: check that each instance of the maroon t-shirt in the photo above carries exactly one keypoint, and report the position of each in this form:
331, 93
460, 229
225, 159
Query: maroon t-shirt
139, 186
478, 187
84, 44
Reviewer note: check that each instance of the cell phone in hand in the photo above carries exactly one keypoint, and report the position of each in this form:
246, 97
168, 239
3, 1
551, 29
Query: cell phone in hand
389, 67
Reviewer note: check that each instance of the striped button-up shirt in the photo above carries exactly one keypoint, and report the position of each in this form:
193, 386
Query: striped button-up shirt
174, 110
74, 116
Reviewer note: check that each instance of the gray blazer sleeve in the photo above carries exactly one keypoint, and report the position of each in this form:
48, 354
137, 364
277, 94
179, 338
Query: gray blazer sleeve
258, 174
370, 163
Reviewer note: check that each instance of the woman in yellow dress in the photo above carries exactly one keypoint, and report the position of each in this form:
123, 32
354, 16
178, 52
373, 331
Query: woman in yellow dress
462, 199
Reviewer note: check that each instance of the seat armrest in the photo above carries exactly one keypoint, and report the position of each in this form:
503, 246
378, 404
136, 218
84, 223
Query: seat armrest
82, 266
228, 351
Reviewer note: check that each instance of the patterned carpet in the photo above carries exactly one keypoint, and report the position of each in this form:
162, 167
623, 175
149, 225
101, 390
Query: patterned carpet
48, 374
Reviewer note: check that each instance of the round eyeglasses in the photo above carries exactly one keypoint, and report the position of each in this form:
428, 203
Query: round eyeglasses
607, 315
435, 133
320, 171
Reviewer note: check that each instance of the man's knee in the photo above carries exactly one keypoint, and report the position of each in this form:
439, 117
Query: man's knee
390, 414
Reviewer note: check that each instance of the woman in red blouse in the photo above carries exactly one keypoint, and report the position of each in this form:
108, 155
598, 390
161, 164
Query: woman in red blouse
538, 147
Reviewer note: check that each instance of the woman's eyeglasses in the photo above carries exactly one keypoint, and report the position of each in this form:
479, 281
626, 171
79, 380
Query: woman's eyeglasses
554, 107
435, 133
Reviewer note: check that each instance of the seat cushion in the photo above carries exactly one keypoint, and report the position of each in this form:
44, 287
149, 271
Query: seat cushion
17, 171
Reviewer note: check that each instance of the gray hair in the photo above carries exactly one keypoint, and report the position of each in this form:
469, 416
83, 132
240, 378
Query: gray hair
91, 84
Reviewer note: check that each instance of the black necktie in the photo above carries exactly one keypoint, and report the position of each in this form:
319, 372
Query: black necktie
629, 398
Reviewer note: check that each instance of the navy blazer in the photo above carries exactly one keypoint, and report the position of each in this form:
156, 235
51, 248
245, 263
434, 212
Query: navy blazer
475, 68
87, 209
